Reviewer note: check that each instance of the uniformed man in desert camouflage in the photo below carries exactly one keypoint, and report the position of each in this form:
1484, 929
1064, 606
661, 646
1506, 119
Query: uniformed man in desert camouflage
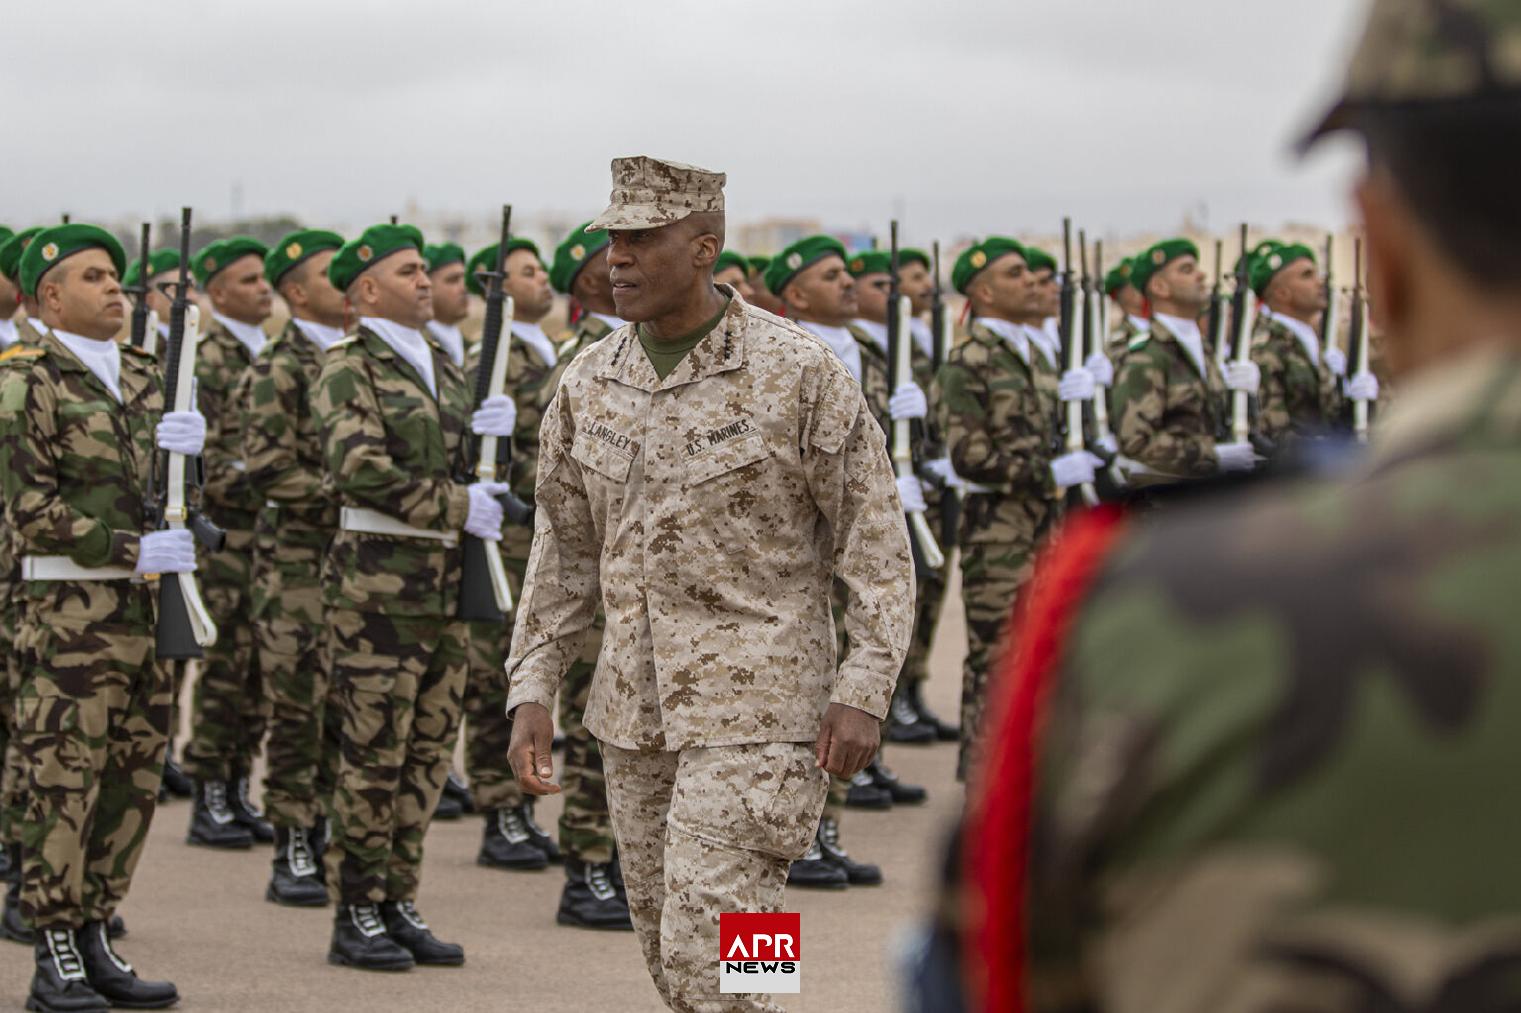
705, 473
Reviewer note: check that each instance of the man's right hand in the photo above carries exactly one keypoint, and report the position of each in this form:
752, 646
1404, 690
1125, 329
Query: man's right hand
530, 751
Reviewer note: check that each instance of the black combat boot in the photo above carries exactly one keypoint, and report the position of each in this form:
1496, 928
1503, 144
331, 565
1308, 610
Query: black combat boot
904, 722
175, 783
858, 873
507, 844
116, 928
884, 778
864, 793
296, 878
541, 838
59, 984
448, 809
944, 732
360, 940
456, 789
12, 926
245, 812
407, 927
113, 978
591, 898
213, 824
815, 872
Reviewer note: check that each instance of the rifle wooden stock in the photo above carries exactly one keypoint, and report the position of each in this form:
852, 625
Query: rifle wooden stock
1070, 326
901, 437
1357, 341
1243, 315
1112, 479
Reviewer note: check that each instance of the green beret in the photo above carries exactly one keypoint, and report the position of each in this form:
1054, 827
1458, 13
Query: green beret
1039, 260
909, 254
758, 263
485, 260
159, 261
294, 248
53, 246
6, 232
1118, 277
794, 259
1267, 262
441, 255
730, 258
869, 262
572, 254
978, 256
374, 244
1157, 256
212, 258
10, 252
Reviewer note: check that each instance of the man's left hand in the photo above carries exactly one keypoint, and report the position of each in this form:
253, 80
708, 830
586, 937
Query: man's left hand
848, 739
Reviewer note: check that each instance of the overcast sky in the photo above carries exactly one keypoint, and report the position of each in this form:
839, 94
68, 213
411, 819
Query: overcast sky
963, 116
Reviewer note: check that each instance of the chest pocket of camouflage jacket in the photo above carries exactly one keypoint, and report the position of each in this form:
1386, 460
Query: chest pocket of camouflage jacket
1189, 399
83, 428
604, 471
725, 485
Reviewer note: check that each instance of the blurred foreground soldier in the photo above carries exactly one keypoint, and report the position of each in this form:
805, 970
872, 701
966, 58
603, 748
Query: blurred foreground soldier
282, 450
394, 411
726, 451
1170, 399
1119, 287
228, 710
995, 405
1281, 738
78, 417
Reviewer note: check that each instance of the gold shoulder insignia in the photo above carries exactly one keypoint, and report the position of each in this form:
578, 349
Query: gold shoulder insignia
22, 352
1139, 341
344, 342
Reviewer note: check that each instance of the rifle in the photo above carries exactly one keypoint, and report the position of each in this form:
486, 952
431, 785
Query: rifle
1357, 343
185, 626
927, 554
1111, 480
940, 348
1070, 328
1330, 322
1243, 316
144, 321
1219, 312
484, 593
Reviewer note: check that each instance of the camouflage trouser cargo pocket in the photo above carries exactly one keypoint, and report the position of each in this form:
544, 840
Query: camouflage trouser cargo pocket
763, 796
57, 756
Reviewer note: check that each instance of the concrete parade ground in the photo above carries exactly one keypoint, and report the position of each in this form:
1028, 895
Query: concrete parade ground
199, 917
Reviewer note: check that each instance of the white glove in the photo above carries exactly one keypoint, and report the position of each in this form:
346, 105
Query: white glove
171, 551
1076, 385
1336, 361
908, 402
1235, 456
1102, 369
1363, 387
910, 493
1243, 376
484, 519
1107, 444
1075, 468
941, 468
181, 433
497, 416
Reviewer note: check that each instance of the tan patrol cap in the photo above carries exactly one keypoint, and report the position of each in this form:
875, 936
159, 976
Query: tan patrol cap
651, 192
1417, 53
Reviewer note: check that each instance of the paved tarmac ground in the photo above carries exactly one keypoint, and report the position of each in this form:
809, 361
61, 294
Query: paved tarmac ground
199, 917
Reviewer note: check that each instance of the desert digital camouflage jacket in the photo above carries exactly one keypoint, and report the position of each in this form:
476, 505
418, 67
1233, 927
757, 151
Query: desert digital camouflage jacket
1166, 415
999, 433
712, 510
74, 465
391, 446
1298, 398
1278, 768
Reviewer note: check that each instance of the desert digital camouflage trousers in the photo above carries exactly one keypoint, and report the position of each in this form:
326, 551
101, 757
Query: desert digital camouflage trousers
701, 832
991, 575
397, 685
228, 709
91, 726
289, 640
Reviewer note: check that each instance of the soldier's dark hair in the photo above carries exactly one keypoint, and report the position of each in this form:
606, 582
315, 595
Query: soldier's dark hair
1458, 165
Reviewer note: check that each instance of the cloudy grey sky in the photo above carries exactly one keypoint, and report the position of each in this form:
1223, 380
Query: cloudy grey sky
961, 115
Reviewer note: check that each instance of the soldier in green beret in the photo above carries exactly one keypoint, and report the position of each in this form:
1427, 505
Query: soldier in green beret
29, 327
995, 404
1301, 395
1170, 400
1119, 287
761, 296
451, 297
733, 270
228, 707
580, 272
393, 412
81, 418
1042, 329
162, 265
282, 456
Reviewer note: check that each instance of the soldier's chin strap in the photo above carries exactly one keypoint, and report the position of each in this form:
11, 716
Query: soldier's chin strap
996, 841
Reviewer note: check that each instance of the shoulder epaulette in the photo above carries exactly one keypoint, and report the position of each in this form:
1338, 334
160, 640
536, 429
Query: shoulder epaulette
1139, 341
134, 350
20, 353
344, 342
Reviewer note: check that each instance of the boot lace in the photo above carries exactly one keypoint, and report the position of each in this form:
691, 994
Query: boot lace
513, 825
298, 853
216, 802
408, 910
597, 879
366, 918
65, 954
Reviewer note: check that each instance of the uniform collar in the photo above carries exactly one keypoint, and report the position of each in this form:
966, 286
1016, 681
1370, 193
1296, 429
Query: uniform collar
450, 339
841, 342
721, 351
1011, 333
1141, 324
250, 336
1041, 339
1301, 330
9, 334
407, 343
876, 331
611, 321
1187, 334
321, 335
534, 337
102, 358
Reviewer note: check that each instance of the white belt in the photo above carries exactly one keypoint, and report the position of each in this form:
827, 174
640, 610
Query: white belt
978, 489
373, 522
64, 568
